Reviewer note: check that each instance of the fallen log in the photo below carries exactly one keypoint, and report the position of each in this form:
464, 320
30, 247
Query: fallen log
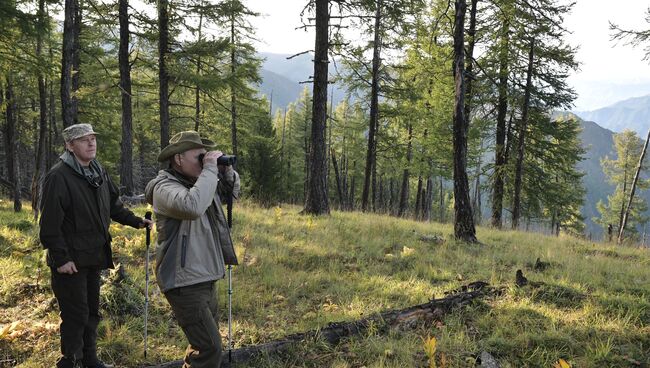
403, 318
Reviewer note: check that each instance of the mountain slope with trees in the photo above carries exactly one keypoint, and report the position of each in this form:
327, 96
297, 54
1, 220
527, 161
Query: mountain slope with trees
632, 113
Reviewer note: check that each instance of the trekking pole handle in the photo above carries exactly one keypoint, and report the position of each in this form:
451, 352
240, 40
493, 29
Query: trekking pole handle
148, 217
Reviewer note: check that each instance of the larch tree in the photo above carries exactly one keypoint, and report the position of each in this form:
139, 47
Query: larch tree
126, 151
463, 218
317, 202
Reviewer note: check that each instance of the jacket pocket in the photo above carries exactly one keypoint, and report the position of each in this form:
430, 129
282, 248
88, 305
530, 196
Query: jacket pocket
183, 251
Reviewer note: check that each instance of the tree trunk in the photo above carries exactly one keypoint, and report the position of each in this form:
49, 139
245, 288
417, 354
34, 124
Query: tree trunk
317, 201
197, 91
428, 200
463, 218
126, 155
284, 124
233, 94
442, 201
305, 146
67, 56
469, 72
339, 189
163, 77
622, 212
371, 154
632, 190
418, 199
41, 146
500, 148
76, 62
11, 144
476, 202
516, 205
469, 77
353, 185
404, 193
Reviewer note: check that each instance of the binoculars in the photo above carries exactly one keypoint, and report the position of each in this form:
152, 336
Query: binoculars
226, 160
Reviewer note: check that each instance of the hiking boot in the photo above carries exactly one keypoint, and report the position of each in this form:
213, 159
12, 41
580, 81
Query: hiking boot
65, 362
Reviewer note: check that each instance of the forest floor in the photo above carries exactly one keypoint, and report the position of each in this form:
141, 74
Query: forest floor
588, 303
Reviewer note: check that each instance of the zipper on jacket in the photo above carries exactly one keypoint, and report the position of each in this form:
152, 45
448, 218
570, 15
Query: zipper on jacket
183, 251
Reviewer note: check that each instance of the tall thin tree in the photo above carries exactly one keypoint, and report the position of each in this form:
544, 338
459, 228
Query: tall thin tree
621, 230
463, 218
371, 153
126, 153
317, 200
521, 141
41, 156
163, 76
67, 56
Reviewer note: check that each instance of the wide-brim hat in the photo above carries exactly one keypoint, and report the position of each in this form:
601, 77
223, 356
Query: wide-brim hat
182, 142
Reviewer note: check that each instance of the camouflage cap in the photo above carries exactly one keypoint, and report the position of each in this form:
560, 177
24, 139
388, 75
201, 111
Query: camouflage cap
77, 131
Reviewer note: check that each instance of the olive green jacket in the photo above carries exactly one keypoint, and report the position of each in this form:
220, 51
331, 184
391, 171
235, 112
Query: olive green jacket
189, 249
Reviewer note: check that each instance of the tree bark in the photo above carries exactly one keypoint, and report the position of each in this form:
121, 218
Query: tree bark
516, 205
463, 218
76, 62
338, 180
126, 153
233, 94
371, 153
41, 146
317, 200
500, 148
67, 56
11, 144
163, 76
476, 202
632, 190
418, 199
428, 200
404, 193
197, 92
469, 72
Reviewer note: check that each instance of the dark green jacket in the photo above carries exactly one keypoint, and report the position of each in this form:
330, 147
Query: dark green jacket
75, 217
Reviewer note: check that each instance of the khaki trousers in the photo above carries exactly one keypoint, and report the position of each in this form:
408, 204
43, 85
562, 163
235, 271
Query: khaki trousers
195, 308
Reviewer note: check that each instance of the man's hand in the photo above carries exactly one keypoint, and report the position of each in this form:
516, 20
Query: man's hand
211, 158
68, 268
146, 223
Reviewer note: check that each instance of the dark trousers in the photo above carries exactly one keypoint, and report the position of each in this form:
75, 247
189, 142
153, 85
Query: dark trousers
195, 308
78, 298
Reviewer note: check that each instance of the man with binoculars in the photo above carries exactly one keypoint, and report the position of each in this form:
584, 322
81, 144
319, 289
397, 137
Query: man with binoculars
194, 242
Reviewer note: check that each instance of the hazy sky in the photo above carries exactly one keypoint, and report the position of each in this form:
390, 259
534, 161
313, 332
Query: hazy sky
608, 71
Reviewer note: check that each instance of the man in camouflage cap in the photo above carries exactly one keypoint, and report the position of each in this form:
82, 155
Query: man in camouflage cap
78, 203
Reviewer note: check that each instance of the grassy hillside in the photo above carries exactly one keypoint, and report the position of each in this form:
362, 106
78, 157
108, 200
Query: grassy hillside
298, 273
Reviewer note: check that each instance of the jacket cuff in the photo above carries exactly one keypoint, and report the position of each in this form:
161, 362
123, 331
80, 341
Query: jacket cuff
58, 257
135, 221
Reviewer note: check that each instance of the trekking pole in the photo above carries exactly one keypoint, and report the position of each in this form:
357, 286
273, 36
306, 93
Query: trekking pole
229, 209
146, 282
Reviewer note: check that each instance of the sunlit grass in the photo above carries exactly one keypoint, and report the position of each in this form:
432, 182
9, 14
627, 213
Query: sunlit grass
297, 273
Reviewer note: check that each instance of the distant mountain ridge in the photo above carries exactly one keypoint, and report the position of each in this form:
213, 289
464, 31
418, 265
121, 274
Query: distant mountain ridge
282, 78
633, 114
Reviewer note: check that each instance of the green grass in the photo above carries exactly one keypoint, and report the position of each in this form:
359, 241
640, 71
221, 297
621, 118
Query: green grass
299, 273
